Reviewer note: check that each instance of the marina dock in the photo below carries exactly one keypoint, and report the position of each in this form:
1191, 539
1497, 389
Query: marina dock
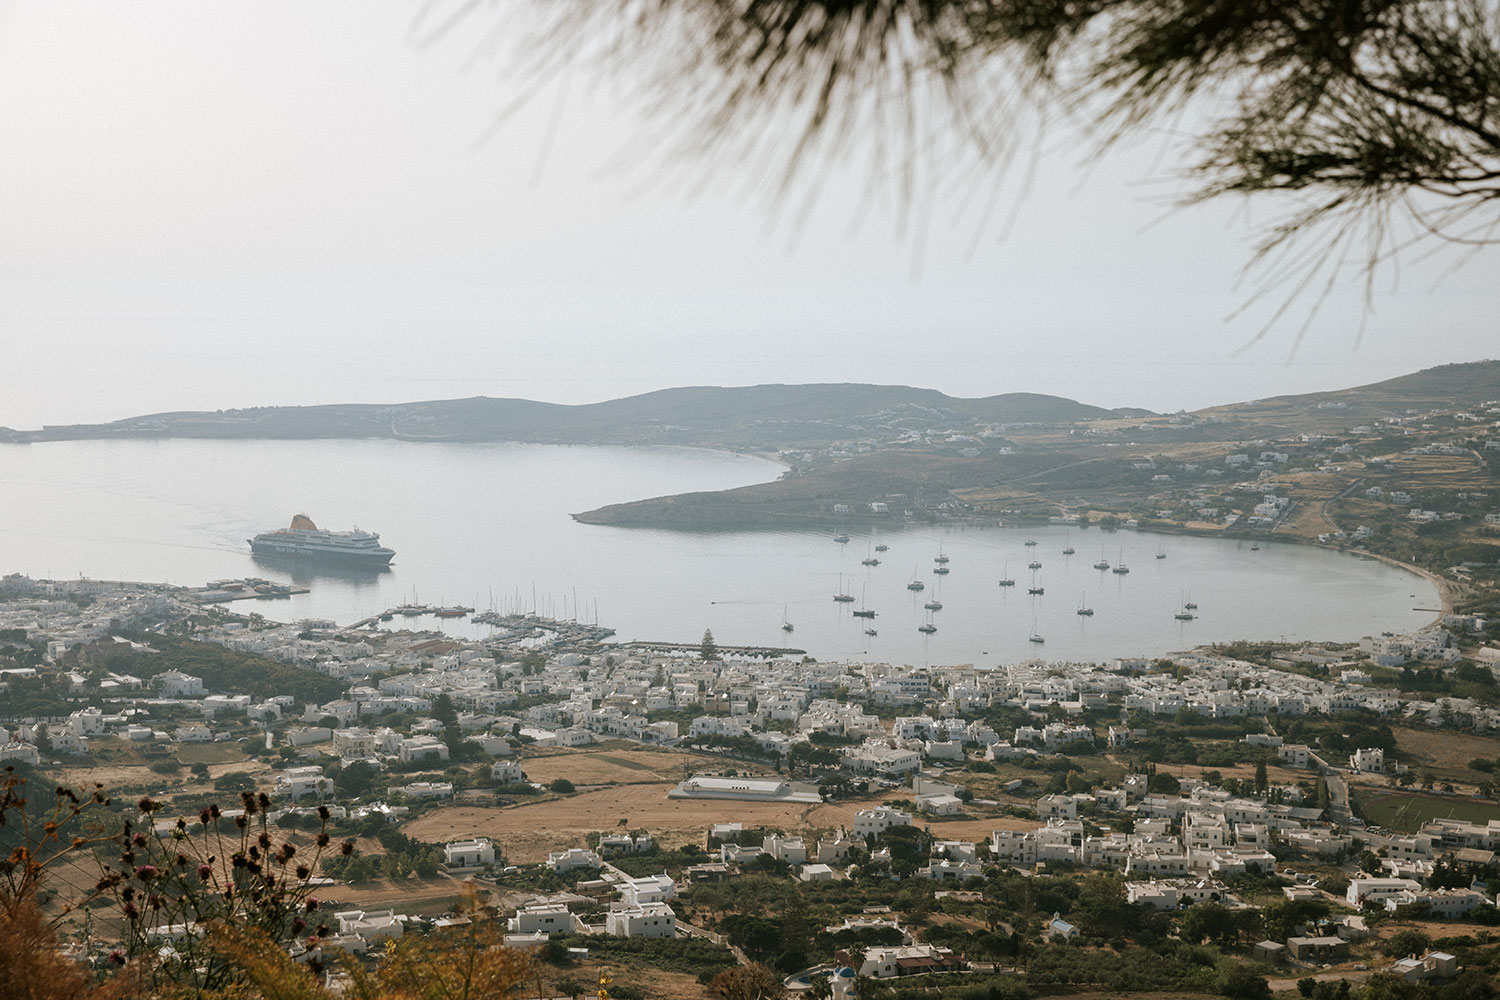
251, 588
751, 652
542, 632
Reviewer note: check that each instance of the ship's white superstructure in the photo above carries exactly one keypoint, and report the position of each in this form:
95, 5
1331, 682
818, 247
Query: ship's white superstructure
305, 540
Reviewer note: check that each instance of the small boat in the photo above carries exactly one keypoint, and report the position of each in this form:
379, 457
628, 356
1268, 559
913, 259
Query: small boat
453, 612
940, 570
1034, 564
1068, 544
1036, 591
1184, 615
1120, 567
841, 539
927, 629
1190, 606
1161, 552
940, 558
1007, 580
870, 631
933, 605
882, 547
387, 617
869, 562
916, 585
1083, 609
1031, 541
1255, 548
863, 613
1069, 550
1103, 563
786, 626
841, 597
1035, 637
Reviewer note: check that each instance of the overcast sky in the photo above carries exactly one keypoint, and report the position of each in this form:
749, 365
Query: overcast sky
212, 204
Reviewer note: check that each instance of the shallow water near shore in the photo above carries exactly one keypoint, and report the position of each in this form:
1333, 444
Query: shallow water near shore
488, 525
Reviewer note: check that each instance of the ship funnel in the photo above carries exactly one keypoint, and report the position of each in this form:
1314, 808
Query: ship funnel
301, 522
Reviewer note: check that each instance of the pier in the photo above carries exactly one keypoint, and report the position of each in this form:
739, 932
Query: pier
541, 632
751, 652
251, 588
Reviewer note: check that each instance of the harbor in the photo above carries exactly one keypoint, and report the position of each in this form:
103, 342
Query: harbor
250, 588
733, 652
510, 629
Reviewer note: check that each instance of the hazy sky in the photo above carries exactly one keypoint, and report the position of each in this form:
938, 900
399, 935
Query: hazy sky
212, 204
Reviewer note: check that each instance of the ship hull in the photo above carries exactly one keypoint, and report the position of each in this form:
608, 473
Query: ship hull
303, 553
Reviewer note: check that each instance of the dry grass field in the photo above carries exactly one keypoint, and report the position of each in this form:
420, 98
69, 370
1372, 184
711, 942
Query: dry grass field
1275, 774
627, 765
1444, 752
651, 982
526, 832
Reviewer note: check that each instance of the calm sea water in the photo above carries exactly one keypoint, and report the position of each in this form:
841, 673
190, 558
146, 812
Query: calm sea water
488, 525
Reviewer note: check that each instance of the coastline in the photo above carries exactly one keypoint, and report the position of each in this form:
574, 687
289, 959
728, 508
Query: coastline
1445, 588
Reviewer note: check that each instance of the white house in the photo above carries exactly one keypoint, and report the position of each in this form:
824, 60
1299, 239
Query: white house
506, 772
873, 822
1378, 889
543, 918
650, 920
370, 925
175, 684
423, 748
23, 752
572, 859
296, 783
469, 853
907, 959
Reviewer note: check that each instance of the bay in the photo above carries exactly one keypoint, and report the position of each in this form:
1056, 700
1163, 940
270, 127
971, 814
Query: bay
488, 525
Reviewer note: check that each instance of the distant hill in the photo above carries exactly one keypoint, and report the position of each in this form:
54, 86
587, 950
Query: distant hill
1443, 387
759, 416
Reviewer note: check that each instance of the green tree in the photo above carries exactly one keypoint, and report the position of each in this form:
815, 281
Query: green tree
1261, 781
708, 649
356, 780
562, 786
1237, 981
1208, 921
1406, 942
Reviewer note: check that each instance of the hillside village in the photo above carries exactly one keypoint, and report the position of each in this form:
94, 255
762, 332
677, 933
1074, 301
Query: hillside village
939, 778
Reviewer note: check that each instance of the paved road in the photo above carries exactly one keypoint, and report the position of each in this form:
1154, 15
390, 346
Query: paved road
1338, 793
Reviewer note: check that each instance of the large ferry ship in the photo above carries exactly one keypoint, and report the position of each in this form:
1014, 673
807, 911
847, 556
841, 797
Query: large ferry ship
305, 540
